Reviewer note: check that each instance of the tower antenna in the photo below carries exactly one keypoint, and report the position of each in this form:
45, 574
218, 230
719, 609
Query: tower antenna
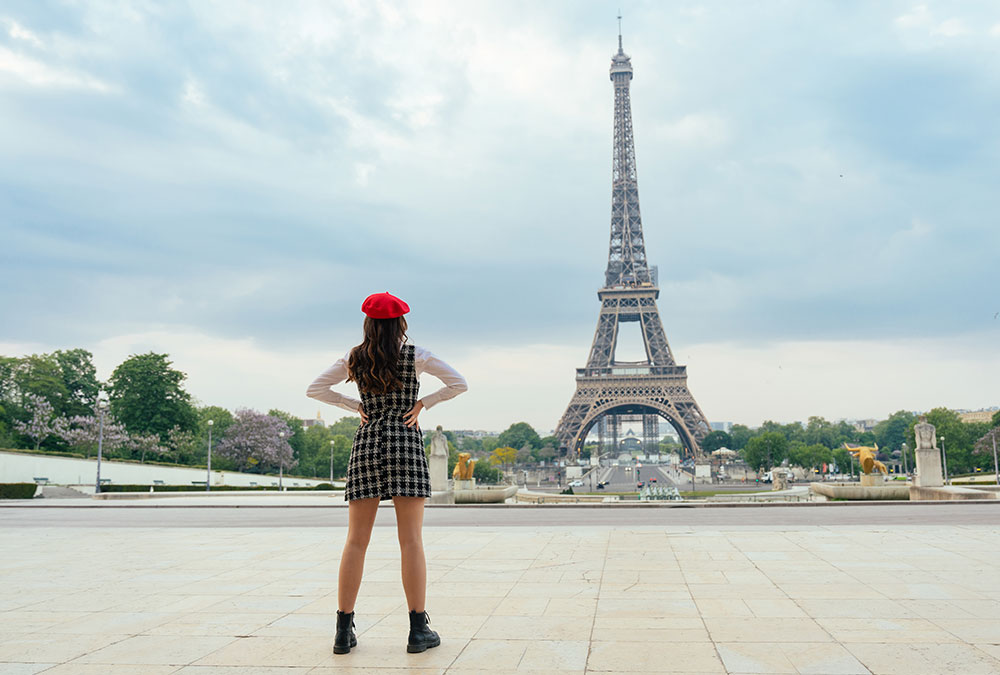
619, 31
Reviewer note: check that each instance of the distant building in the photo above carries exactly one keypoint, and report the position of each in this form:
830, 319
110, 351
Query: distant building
314, 422
864, 425
984, 415
473, 433
721, 426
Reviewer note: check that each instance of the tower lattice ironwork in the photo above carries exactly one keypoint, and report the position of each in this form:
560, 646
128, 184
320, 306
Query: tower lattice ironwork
611, 391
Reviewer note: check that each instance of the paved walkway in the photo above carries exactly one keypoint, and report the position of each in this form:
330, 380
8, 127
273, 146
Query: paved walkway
905, 599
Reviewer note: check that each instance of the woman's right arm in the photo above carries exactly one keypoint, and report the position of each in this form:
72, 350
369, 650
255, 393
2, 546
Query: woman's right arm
321, 391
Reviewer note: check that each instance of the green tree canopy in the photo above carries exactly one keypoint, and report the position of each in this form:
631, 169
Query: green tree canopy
716, 440
79, 377
891, 433
221, 420
518, 434
766, 450
347, 426
739, 434
809, 456
147, 397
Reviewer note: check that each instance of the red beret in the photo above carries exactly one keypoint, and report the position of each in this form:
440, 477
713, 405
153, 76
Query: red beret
384, 306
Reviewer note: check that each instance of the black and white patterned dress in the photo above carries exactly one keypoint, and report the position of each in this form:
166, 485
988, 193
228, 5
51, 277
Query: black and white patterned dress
387, 459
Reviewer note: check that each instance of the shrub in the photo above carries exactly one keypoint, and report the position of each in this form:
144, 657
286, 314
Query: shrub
17, 490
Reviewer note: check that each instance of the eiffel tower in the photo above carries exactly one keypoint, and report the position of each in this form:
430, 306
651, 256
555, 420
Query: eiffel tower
608, 391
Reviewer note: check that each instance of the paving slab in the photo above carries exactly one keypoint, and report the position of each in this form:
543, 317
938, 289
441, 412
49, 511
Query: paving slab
577, 597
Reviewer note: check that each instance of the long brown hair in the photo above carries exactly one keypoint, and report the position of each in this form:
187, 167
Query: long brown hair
374, 364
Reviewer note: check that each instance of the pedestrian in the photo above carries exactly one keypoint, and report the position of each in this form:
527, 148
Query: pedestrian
387, 458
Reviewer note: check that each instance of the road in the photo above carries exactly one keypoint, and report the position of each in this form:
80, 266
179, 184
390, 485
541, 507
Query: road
625, 479
715, 517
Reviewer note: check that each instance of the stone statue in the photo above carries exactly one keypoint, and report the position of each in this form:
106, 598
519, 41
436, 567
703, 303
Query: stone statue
928, 457
866, 457
464, 467
926, 434
438, 461
439, 443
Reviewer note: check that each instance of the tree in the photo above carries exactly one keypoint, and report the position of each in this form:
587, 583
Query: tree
765, 451
40, 375
347, 426
819, 431
525, 455
221, 419
147, 397
471, 445
843, 460
490, 443
518, 434
254, 442
891, 433
188, 446
739, 435
43, 423
716, 440
995, 421
143, 443
809, 456
297, 438
504, 456
79, 378
547, 453
83, 432
484, 472
341, 454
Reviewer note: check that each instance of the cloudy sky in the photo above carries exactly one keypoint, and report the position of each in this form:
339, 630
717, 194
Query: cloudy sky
226, 181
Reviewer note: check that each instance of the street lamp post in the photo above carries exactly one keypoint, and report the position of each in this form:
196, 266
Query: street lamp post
281, 462
208, 477
902, 451
944, 454
331, 463
100, 443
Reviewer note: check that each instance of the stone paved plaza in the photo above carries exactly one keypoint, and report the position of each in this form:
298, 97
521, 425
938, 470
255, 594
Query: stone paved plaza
570, 598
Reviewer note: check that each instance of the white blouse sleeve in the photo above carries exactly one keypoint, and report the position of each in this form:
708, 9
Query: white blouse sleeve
335, 374
454, 384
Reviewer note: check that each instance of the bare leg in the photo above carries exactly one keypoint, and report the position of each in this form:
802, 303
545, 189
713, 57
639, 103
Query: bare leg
360, 519
409, 527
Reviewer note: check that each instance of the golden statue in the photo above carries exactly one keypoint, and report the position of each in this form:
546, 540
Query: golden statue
464, 467
866, 457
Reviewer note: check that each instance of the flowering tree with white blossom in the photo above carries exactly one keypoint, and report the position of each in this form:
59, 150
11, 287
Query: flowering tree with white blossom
254, 441
143, 443
43, 423
83, 432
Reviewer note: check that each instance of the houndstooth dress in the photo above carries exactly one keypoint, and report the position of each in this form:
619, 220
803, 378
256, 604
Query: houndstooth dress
387, 459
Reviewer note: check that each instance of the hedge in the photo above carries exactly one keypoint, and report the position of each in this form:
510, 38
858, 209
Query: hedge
17, 490
201, 488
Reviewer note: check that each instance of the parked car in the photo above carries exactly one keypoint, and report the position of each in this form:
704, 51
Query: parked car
576, 483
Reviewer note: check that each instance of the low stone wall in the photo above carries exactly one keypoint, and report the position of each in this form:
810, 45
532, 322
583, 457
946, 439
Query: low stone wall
22, 467
858, 492
949, 492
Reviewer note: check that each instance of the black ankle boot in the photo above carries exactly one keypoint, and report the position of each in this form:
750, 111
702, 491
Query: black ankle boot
421, 638
345, 638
